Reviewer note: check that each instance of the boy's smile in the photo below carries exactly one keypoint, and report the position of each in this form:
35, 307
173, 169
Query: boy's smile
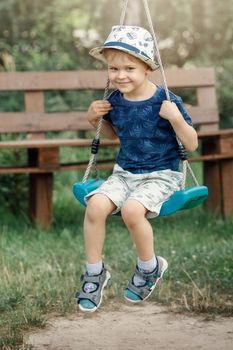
128, 74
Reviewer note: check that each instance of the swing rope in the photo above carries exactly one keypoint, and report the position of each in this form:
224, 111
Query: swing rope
183, 153
123, 13
95, 143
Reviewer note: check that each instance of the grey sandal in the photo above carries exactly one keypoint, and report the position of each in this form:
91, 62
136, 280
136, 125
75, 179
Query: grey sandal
136, 294
91, 301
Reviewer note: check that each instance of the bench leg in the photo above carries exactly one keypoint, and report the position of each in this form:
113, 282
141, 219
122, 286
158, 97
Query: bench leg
40, 198
212, 179
227, 187
218, 178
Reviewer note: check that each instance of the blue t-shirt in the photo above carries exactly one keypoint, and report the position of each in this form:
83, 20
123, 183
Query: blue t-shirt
147, 141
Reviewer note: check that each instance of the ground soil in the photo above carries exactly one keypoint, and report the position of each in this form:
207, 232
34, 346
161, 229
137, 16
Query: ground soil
135, 327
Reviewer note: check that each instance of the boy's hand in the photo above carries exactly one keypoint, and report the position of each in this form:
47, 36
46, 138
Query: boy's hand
169, 111
97, 109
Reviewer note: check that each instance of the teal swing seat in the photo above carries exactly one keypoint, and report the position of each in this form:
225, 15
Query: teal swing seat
187, 198
82, 189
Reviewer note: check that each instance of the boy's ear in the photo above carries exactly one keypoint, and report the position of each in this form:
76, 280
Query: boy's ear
148, 70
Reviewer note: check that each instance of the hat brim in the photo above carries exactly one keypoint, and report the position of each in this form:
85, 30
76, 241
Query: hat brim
97, 52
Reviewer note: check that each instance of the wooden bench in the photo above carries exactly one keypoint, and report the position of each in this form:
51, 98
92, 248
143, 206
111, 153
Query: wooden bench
216, 149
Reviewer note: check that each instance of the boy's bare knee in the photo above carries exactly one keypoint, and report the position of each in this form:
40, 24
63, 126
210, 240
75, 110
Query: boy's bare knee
98, 207
132, 211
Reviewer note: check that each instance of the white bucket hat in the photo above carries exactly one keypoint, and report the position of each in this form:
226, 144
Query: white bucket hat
133, 40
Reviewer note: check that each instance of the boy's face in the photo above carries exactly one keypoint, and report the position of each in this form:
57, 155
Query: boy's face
126, 72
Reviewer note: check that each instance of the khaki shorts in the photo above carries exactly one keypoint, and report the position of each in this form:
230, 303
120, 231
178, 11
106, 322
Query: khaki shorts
150, 189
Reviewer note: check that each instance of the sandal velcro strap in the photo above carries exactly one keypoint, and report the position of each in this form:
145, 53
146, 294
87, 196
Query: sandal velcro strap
92, 279
90, 296
152, 276
143, 291
136, 293
140, 292
96, 295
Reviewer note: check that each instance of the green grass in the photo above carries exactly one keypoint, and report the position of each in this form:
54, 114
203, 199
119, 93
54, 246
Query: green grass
40, 269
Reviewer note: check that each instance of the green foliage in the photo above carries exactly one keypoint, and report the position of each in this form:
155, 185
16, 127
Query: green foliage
196, 30
13, 194
42, 40
225, 89
11, 102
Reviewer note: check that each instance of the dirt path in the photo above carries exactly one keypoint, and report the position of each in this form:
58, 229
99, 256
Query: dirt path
144, 327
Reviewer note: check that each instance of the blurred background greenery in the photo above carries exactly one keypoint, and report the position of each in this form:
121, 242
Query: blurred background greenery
57, 35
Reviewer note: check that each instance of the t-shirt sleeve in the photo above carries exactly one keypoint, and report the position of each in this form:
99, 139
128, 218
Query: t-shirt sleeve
178, 101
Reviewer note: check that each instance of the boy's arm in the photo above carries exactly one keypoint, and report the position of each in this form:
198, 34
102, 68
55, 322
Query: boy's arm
185, 132
96, 110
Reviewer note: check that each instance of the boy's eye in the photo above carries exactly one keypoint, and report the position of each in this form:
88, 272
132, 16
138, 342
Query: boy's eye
113, 69
130, 69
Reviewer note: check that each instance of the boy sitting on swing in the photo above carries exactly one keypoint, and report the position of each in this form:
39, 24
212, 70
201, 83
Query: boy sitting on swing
146, 172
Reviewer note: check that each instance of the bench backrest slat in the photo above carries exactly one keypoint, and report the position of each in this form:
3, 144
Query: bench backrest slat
34, 84
41, 122
94, 80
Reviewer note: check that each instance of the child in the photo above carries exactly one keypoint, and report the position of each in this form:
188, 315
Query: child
147, 166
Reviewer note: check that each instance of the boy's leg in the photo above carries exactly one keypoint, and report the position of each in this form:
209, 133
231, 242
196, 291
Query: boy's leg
98, 208
133, 213
149, 268
89, 297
